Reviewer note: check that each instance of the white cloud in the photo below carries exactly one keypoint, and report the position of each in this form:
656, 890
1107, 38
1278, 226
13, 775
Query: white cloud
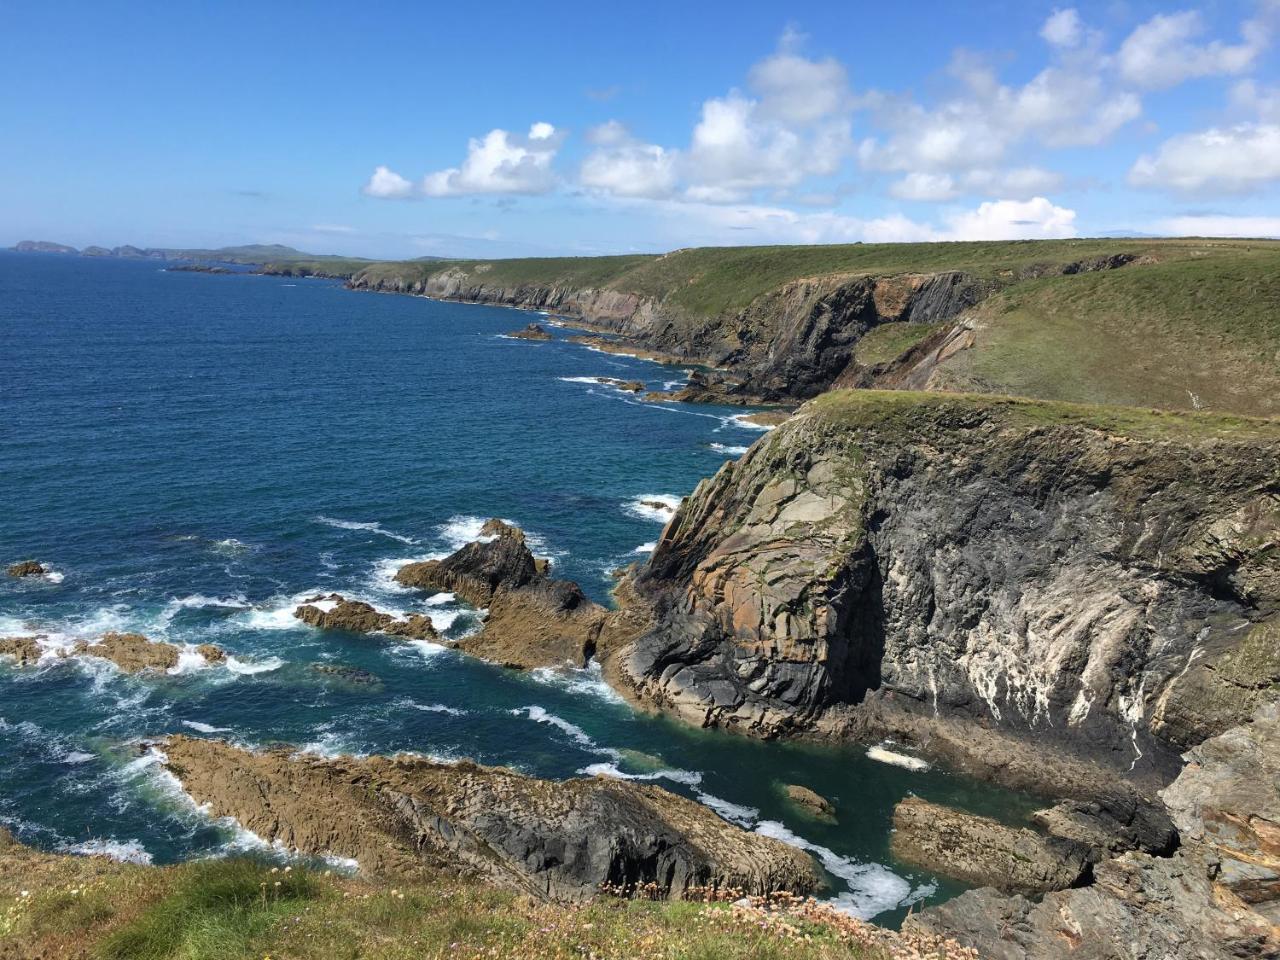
1219, 225
924, 186
501, 162
1220, 160
1063, 28
1264, 102
1163, 52
1036, 218
624, 167
387, 184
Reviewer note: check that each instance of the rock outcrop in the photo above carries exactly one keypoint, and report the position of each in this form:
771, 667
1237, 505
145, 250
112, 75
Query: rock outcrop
997, 572
532, 620
984, 852
533, 331
336, 612
26, 568
134, 653
406, 816
24, 651
1215, 898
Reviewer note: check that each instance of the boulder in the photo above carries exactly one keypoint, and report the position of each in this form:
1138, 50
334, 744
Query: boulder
984, 852
500, 561
336, 612
26, 568
810, 801
408, 816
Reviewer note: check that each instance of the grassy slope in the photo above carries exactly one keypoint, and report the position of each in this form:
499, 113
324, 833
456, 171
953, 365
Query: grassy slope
1202, 318
241, 909
1204, 321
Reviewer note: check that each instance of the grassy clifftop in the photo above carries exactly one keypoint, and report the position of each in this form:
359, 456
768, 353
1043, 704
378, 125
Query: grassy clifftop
61, 907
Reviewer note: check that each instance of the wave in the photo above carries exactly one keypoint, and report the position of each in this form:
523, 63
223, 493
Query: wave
736, 813
649, 547
371, 527
407, 703
199, 727
122, 851
873, 887
729, 450
197, 601
903, 760
690, 778
593, 381
541, 715
740, 420
583, 681
653, 506
462, 529
251, 667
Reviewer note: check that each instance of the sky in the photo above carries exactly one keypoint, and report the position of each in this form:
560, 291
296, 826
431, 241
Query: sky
393, 130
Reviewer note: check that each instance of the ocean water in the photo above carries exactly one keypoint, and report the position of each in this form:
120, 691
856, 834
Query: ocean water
193, 453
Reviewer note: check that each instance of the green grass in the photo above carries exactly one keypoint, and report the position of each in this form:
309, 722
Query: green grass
216, 910
1199, 330
890, 341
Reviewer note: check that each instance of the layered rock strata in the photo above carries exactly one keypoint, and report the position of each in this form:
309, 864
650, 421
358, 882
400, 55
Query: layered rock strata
409, 816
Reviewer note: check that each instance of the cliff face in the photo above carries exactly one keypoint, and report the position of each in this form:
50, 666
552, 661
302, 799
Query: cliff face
790, 343
1100, 580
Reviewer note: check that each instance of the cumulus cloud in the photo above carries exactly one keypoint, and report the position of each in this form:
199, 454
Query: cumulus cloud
793, 122
1235, 159
387, 184
1063, 28
501, 162
1036, 218
1163, 51
623, 166
1219, 225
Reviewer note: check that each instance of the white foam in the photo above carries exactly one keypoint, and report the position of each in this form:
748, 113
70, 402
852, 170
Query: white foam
541, 715
198, 601
54, 576
897, 759
649, 547
586, 681
76, 757
231, 545
426, 648
250, 667
743, 816
370, 526
430, 707
199, 727
189, 660
873, 887
460, 530
127, 851
740, 420
593, 381
689, 778
729, 450
653, 506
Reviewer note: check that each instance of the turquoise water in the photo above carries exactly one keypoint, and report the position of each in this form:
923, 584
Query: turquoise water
193, 453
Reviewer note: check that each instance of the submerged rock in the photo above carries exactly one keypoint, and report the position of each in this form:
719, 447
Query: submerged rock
134, 653
26, 568
984, 852
343, 673
810, 801
336, 612
532, 332
408, 816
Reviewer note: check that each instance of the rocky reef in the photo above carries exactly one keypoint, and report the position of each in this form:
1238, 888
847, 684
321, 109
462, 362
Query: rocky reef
336, 612
1001, 582
131, 652
409, 816
532, 619
26, 568
533, 331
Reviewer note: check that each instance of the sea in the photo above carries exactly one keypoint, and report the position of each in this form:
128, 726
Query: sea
192, 454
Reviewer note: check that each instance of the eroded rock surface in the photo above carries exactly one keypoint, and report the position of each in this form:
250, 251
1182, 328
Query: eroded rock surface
134, 653
336, 612
984, 852
25, 651
810, 801
405, 815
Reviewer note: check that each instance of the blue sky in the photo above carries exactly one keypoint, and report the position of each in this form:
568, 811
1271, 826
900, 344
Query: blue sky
503, 129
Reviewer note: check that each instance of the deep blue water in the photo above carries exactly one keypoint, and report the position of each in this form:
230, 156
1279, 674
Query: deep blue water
193, 453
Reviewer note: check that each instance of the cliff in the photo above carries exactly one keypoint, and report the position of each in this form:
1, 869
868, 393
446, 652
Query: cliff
1001, 581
